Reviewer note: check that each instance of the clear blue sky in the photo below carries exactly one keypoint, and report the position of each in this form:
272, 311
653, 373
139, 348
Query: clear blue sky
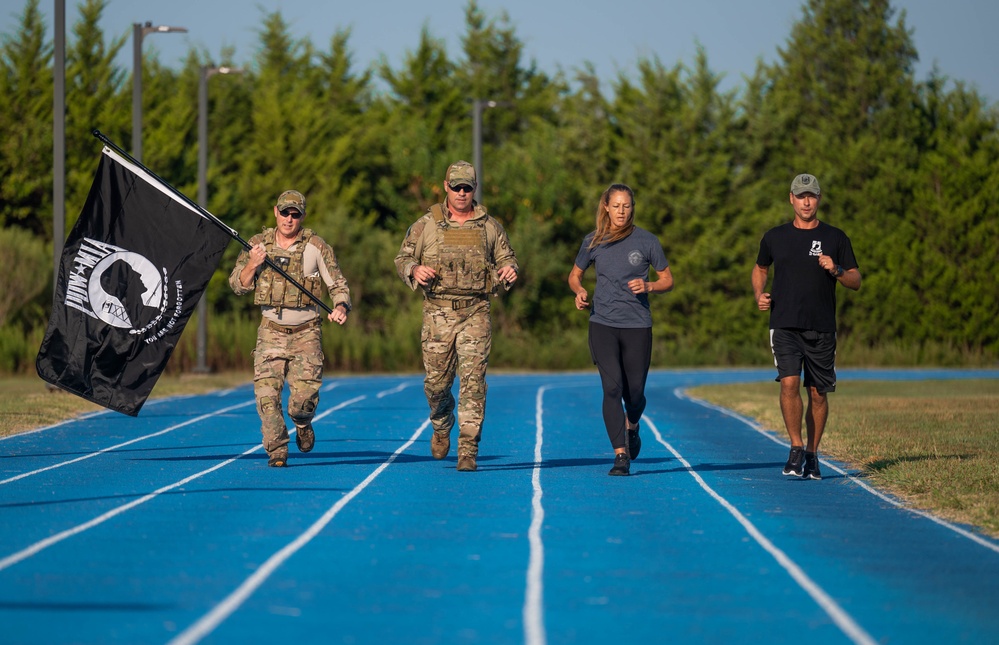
957, 36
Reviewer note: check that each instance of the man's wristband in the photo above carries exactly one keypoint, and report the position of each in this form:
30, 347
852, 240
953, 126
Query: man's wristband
839, 271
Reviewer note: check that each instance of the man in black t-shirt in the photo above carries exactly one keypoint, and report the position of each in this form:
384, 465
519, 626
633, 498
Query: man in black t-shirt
809, 258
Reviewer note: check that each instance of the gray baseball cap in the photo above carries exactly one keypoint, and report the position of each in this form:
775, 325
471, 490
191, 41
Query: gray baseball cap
805, 183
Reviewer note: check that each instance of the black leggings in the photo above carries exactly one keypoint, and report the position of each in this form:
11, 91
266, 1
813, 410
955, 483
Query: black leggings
622, 357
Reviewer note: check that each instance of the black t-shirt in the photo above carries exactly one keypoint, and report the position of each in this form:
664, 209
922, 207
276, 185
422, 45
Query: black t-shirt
803, 293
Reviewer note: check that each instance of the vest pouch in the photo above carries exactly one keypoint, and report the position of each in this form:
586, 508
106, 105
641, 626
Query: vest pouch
463, 269
314, 285
493, 281
273, 289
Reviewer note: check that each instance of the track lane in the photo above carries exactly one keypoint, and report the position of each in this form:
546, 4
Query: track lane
426, 554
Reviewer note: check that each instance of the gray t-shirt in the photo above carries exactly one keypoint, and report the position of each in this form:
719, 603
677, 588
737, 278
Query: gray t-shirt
616, 263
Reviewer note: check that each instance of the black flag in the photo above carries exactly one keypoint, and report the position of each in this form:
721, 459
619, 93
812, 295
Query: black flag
131, 274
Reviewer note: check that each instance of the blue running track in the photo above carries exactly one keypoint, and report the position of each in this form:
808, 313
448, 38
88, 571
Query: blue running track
170, 528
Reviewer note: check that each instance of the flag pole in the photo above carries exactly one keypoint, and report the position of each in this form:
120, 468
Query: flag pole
211, 218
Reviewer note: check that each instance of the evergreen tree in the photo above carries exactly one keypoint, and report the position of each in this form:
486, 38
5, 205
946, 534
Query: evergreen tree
585, 124
422, 116
948, 285
282, 146
170, 123
910, 171
26, 121
677, 146
95, 99
229, 124
493, 70
347, 155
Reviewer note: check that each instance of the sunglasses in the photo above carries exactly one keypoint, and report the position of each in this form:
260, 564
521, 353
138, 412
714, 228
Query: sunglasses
463, 188
291, 214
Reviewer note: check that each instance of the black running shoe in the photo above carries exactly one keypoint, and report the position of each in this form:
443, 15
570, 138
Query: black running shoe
622, 465
634, 443
811, 470
794, 460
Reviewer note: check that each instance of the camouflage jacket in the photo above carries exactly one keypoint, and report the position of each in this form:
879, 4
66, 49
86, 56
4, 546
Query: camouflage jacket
458, 253
309, 260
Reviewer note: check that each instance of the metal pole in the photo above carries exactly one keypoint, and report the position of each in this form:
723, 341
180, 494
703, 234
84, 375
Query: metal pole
207, 71
477, 146
137, 33
58, 139
202, 338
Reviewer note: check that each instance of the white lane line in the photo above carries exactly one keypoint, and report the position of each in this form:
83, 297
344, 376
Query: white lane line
534, 599
398, 388
126, 443
229, 390
847, 625
207, 623
100, 519
338, 406
681, 394
33, 549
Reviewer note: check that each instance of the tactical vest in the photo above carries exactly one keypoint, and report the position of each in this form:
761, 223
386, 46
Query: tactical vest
462, 263
273, 288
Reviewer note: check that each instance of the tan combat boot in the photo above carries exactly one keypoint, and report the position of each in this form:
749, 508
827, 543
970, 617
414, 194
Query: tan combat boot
440, 445
305, 437
466, 463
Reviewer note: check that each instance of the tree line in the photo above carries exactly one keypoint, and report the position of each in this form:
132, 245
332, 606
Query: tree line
909, 168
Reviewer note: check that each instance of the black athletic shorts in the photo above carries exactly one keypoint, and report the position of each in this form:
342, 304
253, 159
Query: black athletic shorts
815, 351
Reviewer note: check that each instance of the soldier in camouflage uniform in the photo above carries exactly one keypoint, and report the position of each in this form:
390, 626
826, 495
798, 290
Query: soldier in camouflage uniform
289, 340
458, 256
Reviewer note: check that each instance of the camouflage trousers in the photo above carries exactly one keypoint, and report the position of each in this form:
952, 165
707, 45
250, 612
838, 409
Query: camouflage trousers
296, 358
457, 342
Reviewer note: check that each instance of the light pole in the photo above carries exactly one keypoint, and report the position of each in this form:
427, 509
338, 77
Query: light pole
207, 71
478, 105
139, 31
58, 139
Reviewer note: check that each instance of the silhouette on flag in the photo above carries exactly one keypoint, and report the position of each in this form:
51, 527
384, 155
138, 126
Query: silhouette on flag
131, 273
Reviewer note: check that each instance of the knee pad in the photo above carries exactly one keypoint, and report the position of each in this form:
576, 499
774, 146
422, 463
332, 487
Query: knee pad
269, 404
302, 409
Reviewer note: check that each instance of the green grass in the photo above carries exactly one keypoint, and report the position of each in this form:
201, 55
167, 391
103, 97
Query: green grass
934, 444
26, 402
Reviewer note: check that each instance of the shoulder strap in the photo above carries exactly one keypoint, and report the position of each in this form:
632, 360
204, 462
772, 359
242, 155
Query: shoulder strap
438, 212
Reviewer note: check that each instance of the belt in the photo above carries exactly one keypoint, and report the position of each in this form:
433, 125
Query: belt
458, 303
285, 329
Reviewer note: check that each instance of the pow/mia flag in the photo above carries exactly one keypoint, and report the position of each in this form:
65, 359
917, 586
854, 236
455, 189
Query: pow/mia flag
131, 273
